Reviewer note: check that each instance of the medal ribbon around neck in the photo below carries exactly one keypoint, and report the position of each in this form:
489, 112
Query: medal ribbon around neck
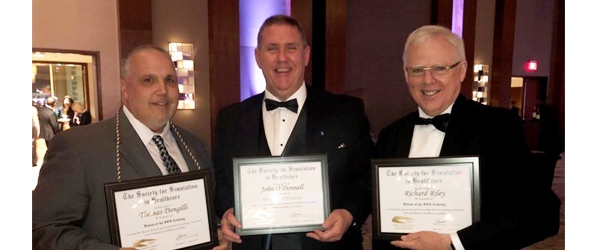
172, 127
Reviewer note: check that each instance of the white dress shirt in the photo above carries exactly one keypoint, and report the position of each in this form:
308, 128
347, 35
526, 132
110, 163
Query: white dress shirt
279, 123
146, 136
427, 142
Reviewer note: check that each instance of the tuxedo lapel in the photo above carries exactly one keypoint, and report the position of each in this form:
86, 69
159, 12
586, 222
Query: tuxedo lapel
405, 136
185, 150
252, 132
297, 141
307, 134
133, 151
457, 129
313, 119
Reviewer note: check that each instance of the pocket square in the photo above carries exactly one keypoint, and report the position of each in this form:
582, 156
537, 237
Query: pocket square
341, 146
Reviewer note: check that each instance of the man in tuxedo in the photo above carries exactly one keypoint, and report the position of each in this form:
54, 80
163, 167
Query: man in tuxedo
315, 122
48, 127
515, 212
48, 121
69, 204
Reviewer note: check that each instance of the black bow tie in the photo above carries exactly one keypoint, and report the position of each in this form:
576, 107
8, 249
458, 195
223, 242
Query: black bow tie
291, 105
440, 122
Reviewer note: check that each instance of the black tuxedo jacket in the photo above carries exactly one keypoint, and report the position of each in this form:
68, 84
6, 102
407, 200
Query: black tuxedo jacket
515, 211
48, 123
330, 124
69, 204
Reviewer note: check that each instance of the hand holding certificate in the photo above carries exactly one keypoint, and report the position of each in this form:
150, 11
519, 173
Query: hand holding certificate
281, 194
424, 194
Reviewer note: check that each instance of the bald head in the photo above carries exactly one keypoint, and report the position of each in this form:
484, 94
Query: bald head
51, 101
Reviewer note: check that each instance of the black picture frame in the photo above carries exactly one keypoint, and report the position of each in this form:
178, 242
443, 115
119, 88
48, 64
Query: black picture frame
381, 167
204, 175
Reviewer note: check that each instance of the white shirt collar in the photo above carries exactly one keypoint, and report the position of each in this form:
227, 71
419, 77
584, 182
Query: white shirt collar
144, 132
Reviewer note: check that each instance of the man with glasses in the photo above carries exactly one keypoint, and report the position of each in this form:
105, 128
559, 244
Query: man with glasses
515, 212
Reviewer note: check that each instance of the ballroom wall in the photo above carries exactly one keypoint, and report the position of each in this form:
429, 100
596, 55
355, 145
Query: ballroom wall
186, 21
85, 25
375, 34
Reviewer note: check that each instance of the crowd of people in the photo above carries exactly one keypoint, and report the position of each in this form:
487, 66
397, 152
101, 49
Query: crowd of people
291, 118
48, 120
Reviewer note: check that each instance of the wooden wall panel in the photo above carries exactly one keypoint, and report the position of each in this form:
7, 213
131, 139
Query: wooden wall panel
324, 22
134, 24
224, 55
335, 46
303, 12
556, 85
469, 24
503, 49
442, 13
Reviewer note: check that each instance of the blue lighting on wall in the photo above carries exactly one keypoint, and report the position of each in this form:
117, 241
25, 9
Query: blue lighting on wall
457, 16
251, 16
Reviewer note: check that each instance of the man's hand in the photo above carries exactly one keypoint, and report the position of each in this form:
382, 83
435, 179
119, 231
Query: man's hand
333, 227
224, 244
228, 223
424, 240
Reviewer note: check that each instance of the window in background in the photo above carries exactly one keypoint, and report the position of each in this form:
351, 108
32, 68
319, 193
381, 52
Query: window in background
61, 74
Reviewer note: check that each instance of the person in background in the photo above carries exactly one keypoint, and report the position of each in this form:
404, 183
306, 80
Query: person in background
48, 121
515, 212
66, 113
514, 108
69, 203
316, 122
81, 116
48, 124
35, 132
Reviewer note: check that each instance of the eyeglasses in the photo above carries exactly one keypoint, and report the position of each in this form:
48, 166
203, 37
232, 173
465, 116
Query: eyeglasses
437, 71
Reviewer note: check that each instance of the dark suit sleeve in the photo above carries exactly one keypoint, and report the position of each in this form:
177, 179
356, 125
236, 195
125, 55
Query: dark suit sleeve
224, 196
515, 212
61, 200
54, 123
357, 200
85, 118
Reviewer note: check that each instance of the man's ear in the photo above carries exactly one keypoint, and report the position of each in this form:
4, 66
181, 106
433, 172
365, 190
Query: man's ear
257, 57
307, 55
463, 68
123, 90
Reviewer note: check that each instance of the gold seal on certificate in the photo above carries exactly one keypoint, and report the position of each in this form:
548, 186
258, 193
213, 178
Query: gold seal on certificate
281, 194
165, 212
424, 194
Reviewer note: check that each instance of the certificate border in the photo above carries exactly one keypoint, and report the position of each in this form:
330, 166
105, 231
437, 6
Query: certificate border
242, 161
111, 188
377, 164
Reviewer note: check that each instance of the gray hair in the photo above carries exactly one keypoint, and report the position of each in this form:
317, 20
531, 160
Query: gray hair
126, 62
428, 32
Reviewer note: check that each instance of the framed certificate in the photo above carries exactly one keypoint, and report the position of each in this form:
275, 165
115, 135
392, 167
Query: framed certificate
424, 194
281, 194
165, 212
